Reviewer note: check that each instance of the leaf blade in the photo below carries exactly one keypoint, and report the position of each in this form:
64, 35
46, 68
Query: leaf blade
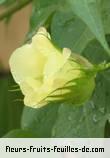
89, 12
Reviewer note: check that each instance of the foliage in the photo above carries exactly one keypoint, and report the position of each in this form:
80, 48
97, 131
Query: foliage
82, 26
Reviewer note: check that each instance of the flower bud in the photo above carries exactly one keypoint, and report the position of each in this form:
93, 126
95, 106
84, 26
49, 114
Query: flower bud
46, 73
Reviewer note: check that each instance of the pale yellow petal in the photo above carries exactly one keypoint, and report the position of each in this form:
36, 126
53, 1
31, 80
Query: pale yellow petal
66, 53
42, 44
37, 98
25, 62
43, 31
55, 62
30, 85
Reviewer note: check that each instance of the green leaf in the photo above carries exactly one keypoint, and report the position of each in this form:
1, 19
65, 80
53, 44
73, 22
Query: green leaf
89, 12
10, 110
73, 33
39, 19
19, 133
87, 120
105, 10
40, 120
42, 12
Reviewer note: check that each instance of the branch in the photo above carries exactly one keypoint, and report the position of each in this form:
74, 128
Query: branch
14, 9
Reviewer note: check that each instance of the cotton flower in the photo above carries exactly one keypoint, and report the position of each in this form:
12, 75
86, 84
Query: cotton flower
46, 73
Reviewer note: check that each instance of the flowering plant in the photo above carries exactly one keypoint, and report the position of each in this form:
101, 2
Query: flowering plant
46, 73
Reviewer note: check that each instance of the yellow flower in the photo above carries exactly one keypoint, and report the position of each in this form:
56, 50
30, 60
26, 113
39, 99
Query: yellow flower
46, 73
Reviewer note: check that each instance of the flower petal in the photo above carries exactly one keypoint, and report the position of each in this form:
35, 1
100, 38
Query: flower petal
42, 43
30, 85
25, 62
37, 98
55, 62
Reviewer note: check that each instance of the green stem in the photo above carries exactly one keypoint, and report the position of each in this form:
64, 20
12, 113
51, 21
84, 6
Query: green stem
103, 66
14, 9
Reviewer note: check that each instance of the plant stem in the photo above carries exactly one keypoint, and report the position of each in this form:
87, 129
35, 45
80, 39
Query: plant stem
14, 9
103, 66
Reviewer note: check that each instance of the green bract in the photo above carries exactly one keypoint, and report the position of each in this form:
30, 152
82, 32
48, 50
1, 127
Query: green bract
44, 73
